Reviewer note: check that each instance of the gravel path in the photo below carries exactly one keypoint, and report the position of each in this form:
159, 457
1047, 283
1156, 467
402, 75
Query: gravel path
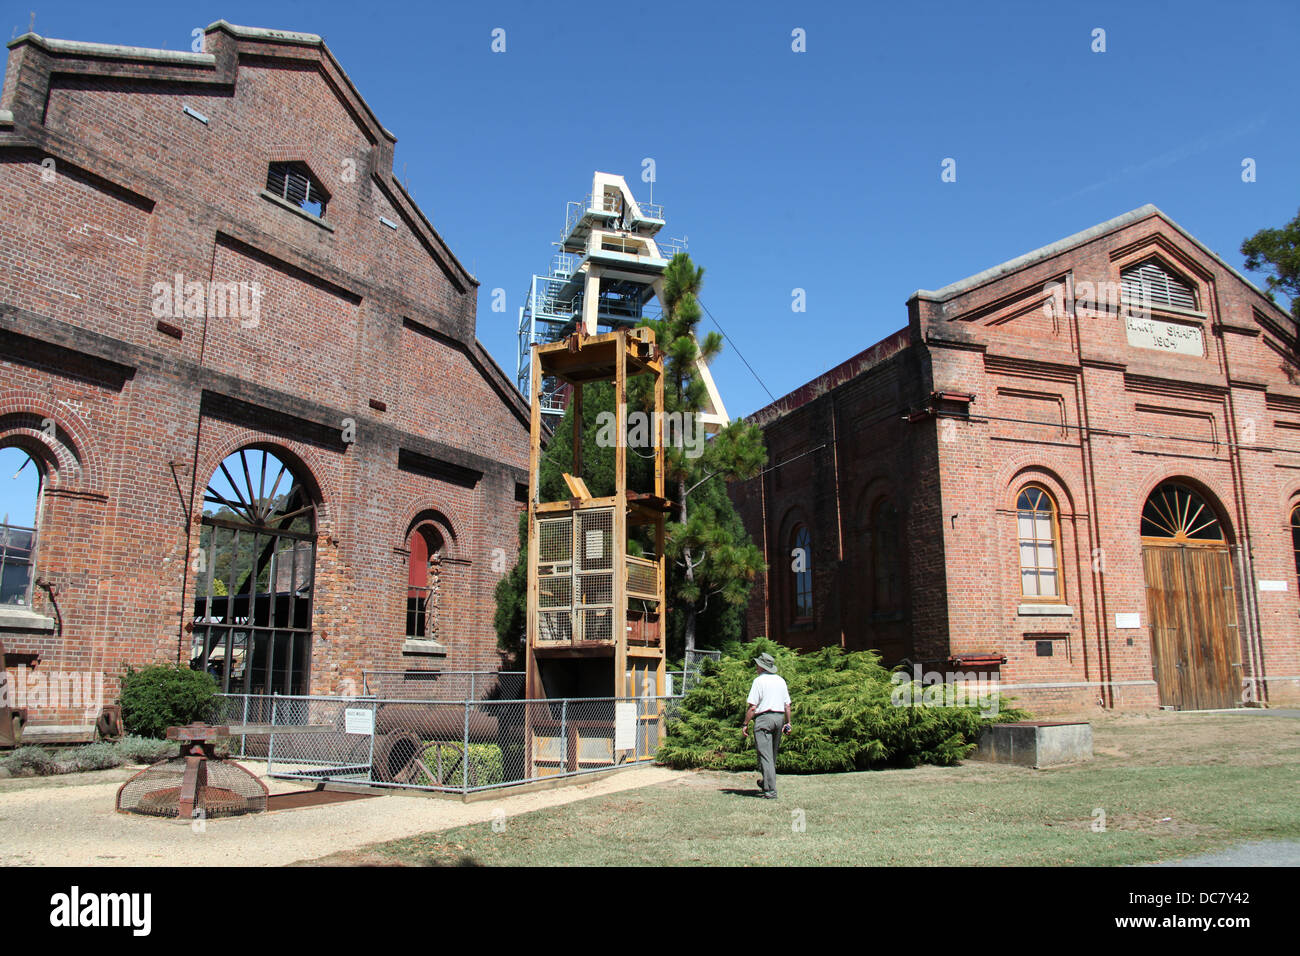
1257, 853
75, 823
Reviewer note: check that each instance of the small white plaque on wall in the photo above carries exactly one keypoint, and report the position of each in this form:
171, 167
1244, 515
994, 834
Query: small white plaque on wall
1128, 621
1272, 585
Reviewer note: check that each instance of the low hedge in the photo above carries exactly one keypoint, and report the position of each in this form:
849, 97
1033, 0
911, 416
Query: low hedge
485, 761
849, 713
33, 761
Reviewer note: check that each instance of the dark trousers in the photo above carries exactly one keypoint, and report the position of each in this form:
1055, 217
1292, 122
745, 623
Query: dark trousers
767, 740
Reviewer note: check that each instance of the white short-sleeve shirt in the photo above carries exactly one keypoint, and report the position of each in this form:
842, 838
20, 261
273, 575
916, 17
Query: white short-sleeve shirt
769, 693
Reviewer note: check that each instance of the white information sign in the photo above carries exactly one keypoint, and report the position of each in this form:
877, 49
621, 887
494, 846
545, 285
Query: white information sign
359, 720
1164, 336
624, 726
1128, 621
1272, 585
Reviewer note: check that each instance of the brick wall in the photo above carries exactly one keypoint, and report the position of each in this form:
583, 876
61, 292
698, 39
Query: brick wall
1058, 397
359, 367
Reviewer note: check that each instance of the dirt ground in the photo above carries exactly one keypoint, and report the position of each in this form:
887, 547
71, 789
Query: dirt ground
70, 819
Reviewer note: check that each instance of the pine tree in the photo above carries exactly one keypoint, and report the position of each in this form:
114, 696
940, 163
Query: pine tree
1278, 251
713, 553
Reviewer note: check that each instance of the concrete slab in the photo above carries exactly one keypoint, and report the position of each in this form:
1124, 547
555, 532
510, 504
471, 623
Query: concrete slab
1036, 743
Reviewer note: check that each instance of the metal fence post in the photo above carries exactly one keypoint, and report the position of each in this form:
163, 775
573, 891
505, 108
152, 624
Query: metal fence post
471, 686
564, 736
270, 740
374, 719
464, 762
243, 738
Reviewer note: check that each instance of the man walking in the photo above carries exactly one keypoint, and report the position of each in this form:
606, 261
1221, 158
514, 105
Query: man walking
769, 708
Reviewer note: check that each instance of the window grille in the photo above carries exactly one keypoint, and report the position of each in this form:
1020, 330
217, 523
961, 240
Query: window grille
293, 183
1153, 284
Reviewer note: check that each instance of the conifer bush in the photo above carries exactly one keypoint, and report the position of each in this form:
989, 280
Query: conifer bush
845, 715
158, 696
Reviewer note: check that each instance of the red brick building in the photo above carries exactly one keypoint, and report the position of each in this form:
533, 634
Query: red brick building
246, 367
1079, 470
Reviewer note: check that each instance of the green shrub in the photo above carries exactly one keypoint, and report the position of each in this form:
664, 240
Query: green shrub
844, 714
485, 762
97, 756
146, 749
29, 762
159, 696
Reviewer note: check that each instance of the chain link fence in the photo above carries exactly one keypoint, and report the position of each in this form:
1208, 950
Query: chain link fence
457, 746
691, 666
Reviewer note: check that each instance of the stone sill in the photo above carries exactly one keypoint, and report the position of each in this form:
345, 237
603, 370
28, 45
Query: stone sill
424, 648
272, 197
17, 617
1045, 610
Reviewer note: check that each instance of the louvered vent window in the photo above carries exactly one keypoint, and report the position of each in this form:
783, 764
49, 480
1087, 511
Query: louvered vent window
294, 183
1153, 284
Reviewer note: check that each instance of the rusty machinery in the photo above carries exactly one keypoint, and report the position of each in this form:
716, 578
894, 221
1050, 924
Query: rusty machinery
196, 783
14, 719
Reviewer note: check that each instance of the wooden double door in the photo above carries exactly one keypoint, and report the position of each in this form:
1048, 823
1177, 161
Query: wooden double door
1192, 611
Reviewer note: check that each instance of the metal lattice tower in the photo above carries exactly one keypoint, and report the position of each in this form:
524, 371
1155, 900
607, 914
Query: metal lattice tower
606, 275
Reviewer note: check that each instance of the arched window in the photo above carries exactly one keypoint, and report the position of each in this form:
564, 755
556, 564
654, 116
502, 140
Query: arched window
886, 589
424, 583
255, 571
1152, 283
294, 183
801, 568
1038, 534
1173, 513
20, 496
1295, 538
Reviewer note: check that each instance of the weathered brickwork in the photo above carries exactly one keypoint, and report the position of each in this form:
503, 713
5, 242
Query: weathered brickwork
359, 366
1026, 375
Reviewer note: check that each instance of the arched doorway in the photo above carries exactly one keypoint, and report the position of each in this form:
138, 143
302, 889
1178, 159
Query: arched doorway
254, 574
1191, 601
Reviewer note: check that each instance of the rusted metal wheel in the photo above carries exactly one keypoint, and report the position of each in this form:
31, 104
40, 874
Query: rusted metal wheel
397, 758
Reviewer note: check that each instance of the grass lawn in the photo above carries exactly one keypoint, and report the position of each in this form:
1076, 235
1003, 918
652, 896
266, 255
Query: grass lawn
1170, 785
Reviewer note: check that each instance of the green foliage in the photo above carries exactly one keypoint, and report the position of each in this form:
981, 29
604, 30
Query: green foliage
159, 696
711, 556
485, 762
844, 716
146, 749
510, 619
29, 762
34, 761
1278, 251
96, 756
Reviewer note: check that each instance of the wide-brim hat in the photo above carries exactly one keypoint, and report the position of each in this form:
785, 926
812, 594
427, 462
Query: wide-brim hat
766, 662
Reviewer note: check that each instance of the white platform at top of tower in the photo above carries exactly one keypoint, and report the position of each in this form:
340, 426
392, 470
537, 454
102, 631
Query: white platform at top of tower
610, 227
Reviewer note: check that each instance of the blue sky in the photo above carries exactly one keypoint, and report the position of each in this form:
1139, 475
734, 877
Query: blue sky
817, 170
